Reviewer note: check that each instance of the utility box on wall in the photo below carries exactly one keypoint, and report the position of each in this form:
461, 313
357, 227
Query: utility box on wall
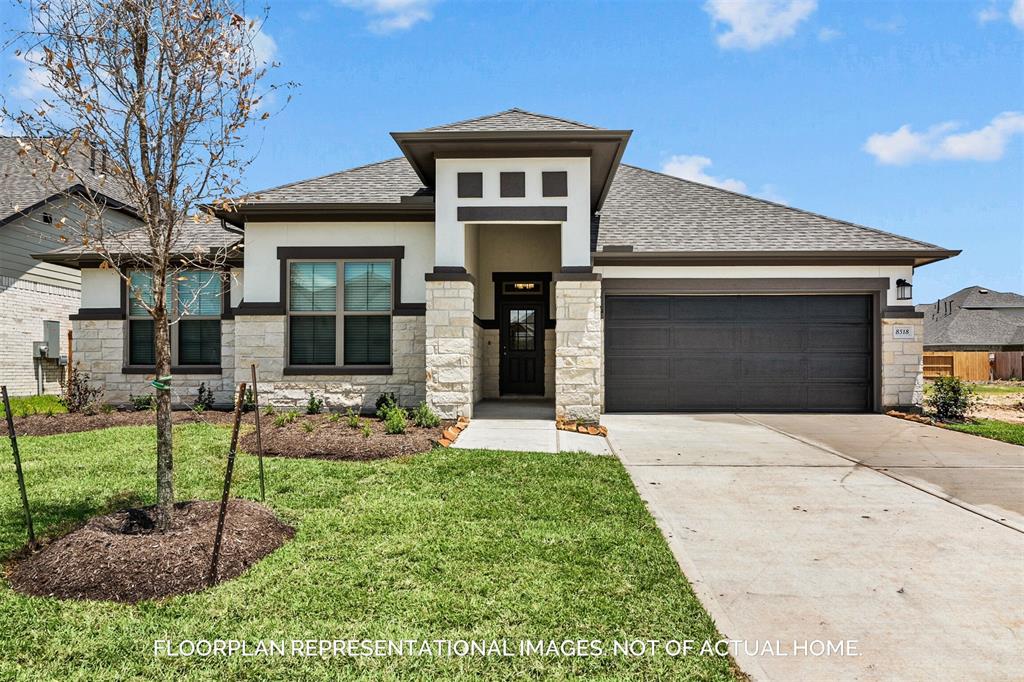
51, 337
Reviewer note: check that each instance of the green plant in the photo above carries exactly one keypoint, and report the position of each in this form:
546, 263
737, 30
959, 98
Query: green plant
249, 400
308, 426
335, 417
146, 401
384, 402
352, 418
204, 400
951, 399
425, 417
49, 412
107, 408
280, 420
395, 421
366, 430
314, 405
78, 393
268, 410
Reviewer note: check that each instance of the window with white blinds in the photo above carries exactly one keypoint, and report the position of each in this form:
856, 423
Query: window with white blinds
193, 305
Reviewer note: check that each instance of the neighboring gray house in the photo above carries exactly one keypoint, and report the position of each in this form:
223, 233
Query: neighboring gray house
35, 294
974, 319
515, 255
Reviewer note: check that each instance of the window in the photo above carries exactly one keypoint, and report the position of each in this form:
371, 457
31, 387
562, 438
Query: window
471, 185
347, 317
194, 304
554, 183
513, 184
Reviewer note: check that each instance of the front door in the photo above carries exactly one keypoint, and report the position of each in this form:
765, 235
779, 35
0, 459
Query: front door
522, 348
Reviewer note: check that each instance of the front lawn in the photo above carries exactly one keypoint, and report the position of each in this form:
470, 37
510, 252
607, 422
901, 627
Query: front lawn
450, 544
23, 406
1008, 432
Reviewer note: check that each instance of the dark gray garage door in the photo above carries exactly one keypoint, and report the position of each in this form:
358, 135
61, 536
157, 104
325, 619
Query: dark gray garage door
772, 353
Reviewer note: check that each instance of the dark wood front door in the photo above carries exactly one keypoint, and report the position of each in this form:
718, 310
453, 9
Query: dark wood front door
522, 348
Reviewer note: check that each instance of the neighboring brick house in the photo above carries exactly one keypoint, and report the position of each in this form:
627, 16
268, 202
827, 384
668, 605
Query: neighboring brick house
32, 292
514, 255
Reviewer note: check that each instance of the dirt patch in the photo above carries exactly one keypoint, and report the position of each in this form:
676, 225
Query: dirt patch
118, 557
317, 436
48, 425
1007, 407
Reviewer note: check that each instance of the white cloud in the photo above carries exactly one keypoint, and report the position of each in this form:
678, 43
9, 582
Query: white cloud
692, 168
826, 34
753, 24
989, 14
1017, 13
33, 82
388, 16
264, 48
904, 145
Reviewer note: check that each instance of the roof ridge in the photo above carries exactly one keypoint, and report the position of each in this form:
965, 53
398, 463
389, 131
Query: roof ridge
325, 175
791, 208
509, 111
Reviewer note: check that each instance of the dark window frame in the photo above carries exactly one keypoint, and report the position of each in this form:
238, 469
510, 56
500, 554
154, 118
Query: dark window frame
554, 183
470, 185
512, 184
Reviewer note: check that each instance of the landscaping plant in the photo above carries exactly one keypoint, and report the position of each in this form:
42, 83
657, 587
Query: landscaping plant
79, 395
366, 430
249, 401
394, 421
314, 405
425, 417
385, 401
951, 399
146, 401
352, 418
204, 400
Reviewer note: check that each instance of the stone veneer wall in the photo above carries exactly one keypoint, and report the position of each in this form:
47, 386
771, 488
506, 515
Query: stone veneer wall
261, 339
579, 333
23, 308
902, 374
450, 348
99, 350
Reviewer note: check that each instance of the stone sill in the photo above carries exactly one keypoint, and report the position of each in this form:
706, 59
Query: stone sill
184, 369
323, 370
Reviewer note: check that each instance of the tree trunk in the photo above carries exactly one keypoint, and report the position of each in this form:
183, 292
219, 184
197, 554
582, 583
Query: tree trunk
164, 445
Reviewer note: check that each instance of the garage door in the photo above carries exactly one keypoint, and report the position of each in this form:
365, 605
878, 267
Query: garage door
723, 353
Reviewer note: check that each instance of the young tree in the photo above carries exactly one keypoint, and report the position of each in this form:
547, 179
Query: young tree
146, 101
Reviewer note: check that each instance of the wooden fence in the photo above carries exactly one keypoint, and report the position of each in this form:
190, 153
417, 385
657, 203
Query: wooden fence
974, 365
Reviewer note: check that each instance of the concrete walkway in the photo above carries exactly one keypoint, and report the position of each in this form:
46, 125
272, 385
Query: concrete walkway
787, 537
523, 426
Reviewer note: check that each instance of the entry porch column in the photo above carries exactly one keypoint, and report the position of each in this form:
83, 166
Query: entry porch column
579, 347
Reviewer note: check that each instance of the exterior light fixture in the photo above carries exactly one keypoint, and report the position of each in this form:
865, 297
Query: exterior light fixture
525, 286
904, 290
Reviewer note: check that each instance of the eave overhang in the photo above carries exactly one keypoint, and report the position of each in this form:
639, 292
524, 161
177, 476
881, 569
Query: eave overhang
914, 258
603, 147
239, 214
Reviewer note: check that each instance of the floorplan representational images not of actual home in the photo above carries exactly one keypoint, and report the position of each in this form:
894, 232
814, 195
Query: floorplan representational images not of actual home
515, 255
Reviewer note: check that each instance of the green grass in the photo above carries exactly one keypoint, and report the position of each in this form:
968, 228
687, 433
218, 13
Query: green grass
34, 404
997, 389
1008, 432
449, 544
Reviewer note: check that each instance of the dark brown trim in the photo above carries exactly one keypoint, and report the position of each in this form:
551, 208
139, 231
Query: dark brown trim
862, 257
339, 252
449, 273
98, 314
506, 276
554, 184
904, 311
226, 312
512, 184
259, 308
504, 154
753, 285
543, 296
412, 211
410, 310
183, 369
315, 370
470, 185
485, 324
553, 214
578, 277
566, 269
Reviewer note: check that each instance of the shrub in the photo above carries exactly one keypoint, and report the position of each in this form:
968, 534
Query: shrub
951, 399
146, 401
385, 401
314, 405
107, 408
308, 426
280, 420
425, 417
204, 400
335, 417
394, 421
78, 393
248, 400
268, 410
366, 430
352, 418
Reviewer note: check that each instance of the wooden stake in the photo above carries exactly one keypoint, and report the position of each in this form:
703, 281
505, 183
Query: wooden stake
212, 578
71, 356
259, 437
17, 469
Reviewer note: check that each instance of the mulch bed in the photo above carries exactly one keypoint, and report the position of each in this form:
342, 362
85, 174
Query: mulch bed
47, 425
337, 441
118, 557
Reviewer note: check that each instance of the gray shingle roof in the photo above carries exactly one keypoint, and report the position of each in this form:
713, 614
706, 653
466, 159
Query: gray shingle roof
654, 212
384, 182
26, 180
512, 120
972, 318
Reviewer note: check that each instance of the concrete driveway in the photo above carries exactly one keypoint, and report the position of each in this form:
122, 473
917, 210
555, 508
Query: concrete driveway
789, 534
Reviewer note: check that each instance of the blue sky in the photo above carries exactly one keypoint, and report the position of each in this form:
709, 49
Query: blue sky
908, 117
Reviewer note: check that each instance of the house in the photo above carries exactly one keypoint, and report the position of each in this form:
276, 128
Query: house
38, 298
516, 255
975, 334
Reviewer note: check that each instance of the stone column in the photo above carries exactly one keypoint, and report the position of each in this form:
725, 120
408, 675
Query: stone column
450, 345
579, 344
902, 375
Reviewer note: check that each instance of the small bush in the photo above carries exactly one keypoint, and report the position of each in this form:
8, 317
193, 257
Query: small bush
335, 417
78, 393
248, 400
280, 420
314, 405
951, 399
395, 421
385, 401
425, 417
352, 418
204, 400
107, 408
308, 426
268, 410
146, 401
366, 430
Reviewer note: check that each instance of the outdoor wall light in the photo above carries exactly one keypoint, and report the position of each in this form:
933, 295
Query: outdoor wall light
904, 290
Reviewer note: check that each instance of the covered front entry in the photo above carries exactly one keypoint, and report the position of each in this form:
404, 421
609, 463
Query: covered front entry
739, 353
521, 305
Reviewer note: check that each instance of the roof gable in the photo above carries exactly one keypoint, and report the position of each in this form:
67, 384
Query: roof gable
975, 316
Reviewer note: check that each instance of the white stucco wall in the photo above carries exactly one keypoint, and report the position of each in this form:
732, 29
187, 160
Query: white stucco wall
575, 232
512, 248
262, 240
101, 288
893, 272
